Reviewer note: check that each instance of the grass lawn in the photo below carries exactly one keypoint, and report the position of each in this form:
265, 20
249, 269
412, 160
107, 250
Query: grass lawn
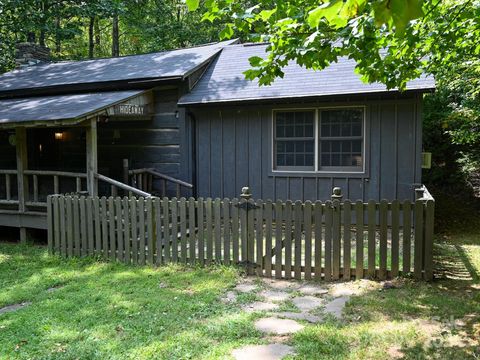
101, 310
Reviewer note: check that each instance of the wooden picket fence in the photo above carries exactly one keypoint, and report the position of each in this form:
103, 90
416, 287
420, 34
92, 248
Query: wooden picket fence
312, 240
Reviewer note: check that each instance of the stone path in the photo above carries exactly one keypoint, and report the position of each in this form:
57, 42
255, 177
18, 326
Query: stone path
14, 307
289, 307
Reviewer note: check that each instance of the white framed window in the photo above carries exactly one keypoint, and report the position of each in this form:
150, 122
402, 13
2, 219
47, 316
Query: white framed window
319, 140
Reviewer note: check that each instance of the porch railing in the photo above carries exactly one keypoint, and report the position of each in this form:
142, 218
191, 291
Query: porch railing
143, 179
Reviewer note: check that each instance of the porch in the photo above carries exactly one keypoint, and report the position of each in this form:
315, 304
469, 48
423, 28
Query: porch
87, 152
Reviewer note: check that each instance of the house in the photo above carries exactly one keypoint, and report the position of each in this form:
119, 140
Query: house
186, 122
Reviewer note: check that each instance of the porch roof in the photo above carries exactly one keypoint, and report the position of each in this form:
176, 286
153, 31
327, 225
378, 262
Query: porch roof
60, 109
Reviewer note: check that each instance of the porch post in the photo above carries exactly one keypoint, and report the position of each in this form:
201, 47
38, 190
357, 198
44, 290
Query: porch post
22, 181
92, 161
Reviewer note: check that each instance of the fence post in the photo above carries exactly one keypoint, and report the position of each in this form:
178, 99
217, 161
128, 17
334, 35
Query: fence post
336, 232
248, 229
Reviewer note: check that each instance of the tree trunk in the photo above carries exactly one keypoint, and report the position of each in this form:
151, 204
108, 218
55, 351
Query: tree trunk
91, 43
58, 40
97, 32
31, 38
115, 36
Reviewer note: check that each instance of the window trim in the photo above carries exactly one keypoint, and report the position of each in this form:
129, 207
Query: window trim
317, 170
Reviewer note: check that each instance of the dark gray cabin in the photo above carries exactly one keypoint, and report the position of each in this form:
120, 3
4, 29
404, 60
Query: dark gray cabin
186, 123
305, 134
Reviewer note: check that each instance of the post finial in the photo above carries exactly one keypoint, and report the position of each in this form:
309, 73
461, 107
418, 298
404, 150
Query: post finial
337, 193
246, 194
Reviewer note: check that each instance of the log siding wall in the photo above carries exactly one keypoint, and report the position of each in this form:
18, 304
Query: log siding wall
234, 149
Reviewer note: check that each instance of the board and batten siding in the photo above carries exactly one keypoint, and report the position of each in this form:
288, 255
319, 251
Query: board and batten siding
234, 149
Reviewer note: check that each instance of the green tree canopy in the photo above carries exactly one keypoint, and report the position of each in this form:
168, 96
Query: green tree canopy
392, 41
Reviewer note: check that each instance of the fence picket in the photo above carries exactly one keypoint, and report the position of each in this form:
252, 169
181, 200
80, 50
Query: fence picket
166, 229
226, 231
328, 239
395, 214
192, 230
182, 205
141, 231
127, 237
76, 225
209, 230
359, 256
318, 214
336, 239
134, 220
235, 232
150, 237
250, 238
267, 263
103, 207
243, 231
307, 220
157, 205
260, 265
70, 244
90, 226
383, 210
50, 220
119, 228
372, 216
278, 238
96, 217
347, 250
298, 240
174, 233
83, 227
111, 228
56, 220
63, 234
201, 233
288, 239
407, 233
217, 230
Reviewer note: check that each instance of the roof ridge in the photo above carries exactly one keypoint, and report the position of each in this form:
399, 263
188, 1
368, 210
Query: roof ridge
44, 64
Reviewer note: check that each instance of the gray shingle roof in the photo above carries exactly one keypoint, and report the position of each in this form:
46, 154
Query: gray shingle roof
175, 63
224, 80
61, 107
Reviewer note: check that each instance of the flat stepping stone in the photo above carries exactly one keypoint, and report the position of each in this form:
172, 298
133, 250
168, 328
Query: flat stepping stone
262, 352
274, 295
273, 325
229, 297
335, 307
14, 307
310, 289
307, 303
300, 316
259, 306
281, 284
245, 288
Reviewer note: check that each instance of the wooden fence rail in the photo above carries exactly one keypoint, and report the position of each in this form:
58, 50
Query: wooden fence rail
313, 240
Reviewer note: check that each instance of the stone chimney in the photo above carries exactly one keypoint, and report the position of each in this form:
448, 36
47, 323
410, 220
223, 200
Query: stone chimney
27, 54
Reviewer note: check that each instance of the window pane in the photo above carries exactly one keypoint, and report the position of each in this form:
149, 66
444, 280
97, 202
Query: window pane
295, 144
346, 125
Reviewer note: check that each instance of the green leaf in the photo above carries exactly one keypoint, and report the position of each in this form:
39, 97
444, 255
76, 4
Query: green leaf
266, 14
192, 4
227, 32
329, 11
255, 61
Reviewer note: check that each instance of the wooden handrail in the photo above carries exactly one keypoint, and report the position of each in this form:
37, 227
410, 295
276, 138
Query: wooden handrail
169, 178
55, 173
121, 185
8, 172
